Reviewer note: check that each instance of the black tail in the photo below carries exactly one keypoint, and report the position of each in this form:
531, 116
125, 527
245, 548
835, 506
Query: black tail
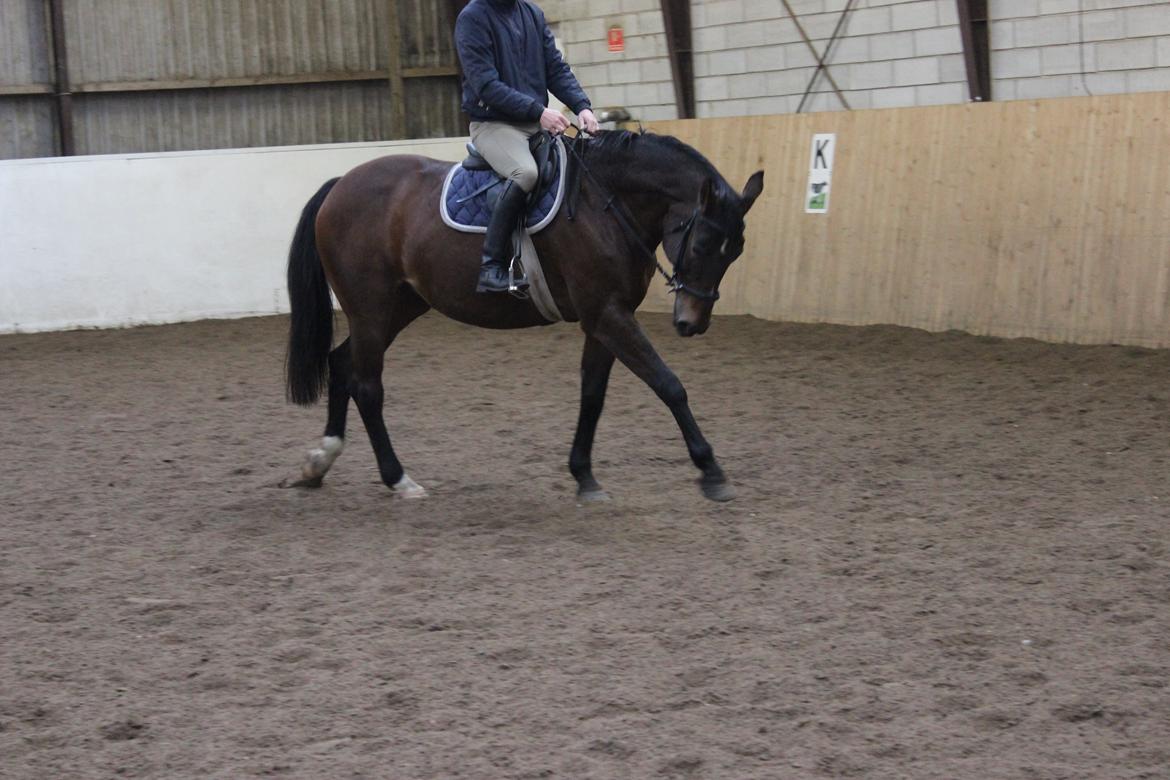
310, 334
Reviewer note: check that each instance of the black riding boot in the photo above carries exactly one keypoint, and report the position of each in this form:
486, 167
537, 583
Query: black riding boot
497, 244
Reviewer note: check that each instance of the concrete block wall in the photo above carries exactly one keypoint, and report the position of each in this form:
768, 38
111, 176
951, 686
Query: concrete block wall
638, 78
1037, 48
890, 53
750, 59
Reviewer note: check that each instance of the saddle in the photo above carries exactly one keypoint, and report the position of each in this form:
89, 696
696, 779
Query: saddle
470, 190
543, 151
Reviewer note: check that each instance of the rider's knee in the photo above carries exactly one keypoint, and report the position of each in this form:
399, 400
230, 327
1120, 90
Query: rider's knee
525, 176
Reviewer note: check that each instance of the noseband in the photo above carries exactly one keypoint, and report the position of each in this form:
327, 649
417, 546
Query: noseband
673, 280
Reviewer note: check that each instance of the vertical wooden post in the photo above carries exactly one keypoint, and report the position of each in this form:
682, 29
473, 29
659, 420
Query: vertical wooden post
397, 82
454, 7
62, 89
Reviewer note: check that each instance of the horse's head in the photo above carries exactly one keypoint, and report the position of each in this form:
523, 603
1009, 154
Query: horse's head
702, 239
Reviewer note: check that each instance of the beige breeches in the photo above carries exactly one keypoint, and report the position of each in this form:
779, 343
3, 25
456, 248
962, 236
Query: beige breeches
505, 147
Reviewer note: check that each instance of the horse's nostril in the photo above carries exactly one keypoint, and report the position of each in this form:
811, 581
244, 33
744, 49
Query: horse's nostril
683, 327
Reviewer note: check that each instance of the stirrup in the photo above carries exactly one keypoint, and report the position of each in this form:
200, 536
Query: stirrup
517, 284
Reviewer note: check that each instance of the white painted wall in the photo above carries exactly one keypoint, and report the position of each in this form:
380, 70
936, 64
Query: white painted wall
126, 240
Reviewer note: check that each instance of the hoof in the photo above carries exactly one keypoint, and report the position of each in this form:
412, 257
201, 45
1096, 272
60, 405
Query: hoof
302, 482
408, 488
317, 464
592, 495
717, 491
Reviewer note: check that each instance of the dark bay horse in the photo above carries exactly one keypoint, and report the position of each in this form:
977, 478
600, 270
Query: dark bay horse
375, 238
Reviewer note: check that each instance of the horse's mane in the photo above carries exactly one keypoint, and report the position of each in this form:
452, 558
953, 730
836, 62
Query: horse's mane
617, 145
612, 141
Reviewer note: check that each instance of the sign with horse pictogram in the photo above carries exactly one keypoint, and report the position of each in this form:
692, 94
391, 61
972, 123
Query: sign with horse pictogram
820, 173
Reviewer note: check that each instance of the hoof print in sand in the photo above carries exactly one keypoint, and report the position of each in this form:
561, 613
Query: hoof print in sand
123, 730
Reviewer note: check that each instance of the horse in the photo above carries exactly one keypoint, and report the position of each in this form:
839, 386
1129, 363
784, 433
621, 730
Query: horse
374, 238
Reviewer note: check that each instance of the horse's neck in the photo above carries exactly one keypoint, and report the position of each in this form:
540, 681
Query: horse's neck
672, 182
649, 192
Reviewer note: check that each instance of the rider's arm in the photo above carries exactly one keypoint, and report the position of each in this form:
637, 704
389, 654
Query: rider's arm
475, 54
561, 81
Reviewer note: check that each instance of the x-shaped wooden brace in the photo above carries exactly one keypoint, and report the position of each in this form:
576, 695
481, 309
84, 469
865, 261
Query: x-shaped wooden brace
822, 59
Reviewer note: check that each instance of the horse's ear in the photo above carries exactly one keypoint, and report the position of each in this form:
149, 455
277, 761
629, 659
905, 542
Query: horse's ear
752, 190
707, 194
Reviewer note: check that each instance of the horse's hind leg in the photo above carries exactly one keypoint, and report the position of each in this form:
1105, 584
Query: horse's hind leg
596, 362
370, 336
320, 460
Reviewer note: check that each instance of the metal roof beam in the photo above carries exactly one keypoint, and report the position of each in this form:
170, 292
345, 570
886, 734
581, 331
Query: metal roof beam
676, 16
975, 28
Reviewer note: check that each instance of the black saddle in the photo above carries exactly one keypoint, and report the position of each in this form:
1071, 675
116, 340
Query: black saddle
543, 151
475, 161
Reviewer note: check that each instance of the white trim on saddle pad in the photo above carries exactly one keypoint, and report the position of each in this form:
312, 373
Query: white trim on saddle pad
539, 226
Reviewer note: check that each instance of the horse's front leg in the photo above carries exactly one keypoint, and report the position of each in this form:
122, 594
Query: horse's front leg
596, 362
619, 332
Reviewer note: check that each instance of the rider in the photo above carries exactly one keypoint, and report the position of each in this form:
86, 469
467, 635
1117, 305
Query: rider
510, 63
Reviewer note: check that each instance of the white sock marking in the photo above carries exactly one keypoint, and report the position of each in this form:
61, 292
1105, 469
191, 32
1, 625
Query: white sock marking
408, 488
321, 459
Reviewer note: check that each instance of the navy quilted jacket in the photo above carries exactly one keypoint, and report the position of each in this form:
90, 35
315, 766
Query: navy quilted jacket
510, 62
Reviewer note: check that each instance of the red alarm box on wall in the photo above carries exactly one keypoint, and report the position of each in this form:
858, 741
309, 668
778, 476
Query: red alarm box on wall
617, 39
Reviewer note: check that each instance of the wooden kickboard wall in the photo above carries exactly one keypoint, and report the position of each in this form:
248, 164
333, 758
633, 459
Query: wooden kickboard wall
1046, 219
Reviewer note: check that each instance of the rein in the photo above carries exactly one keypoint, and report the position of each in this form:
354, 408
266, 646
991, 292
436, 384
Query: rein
673, 281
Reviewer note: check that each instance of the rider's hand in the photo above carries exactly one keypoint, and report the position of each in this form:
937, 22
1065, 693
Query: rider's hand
553, 121
589, 122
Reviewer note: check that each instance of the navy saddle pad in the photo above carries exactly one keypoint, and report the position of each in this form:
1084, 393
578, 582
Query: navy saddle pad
469, 196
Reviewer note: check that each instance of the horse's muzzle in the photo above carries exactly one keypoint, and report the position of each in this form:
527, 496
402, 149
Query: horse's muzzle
687, 329
692, 316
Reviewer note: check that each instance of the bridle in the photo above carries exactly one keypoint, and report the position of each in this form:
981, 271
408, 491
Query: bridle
674, 281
